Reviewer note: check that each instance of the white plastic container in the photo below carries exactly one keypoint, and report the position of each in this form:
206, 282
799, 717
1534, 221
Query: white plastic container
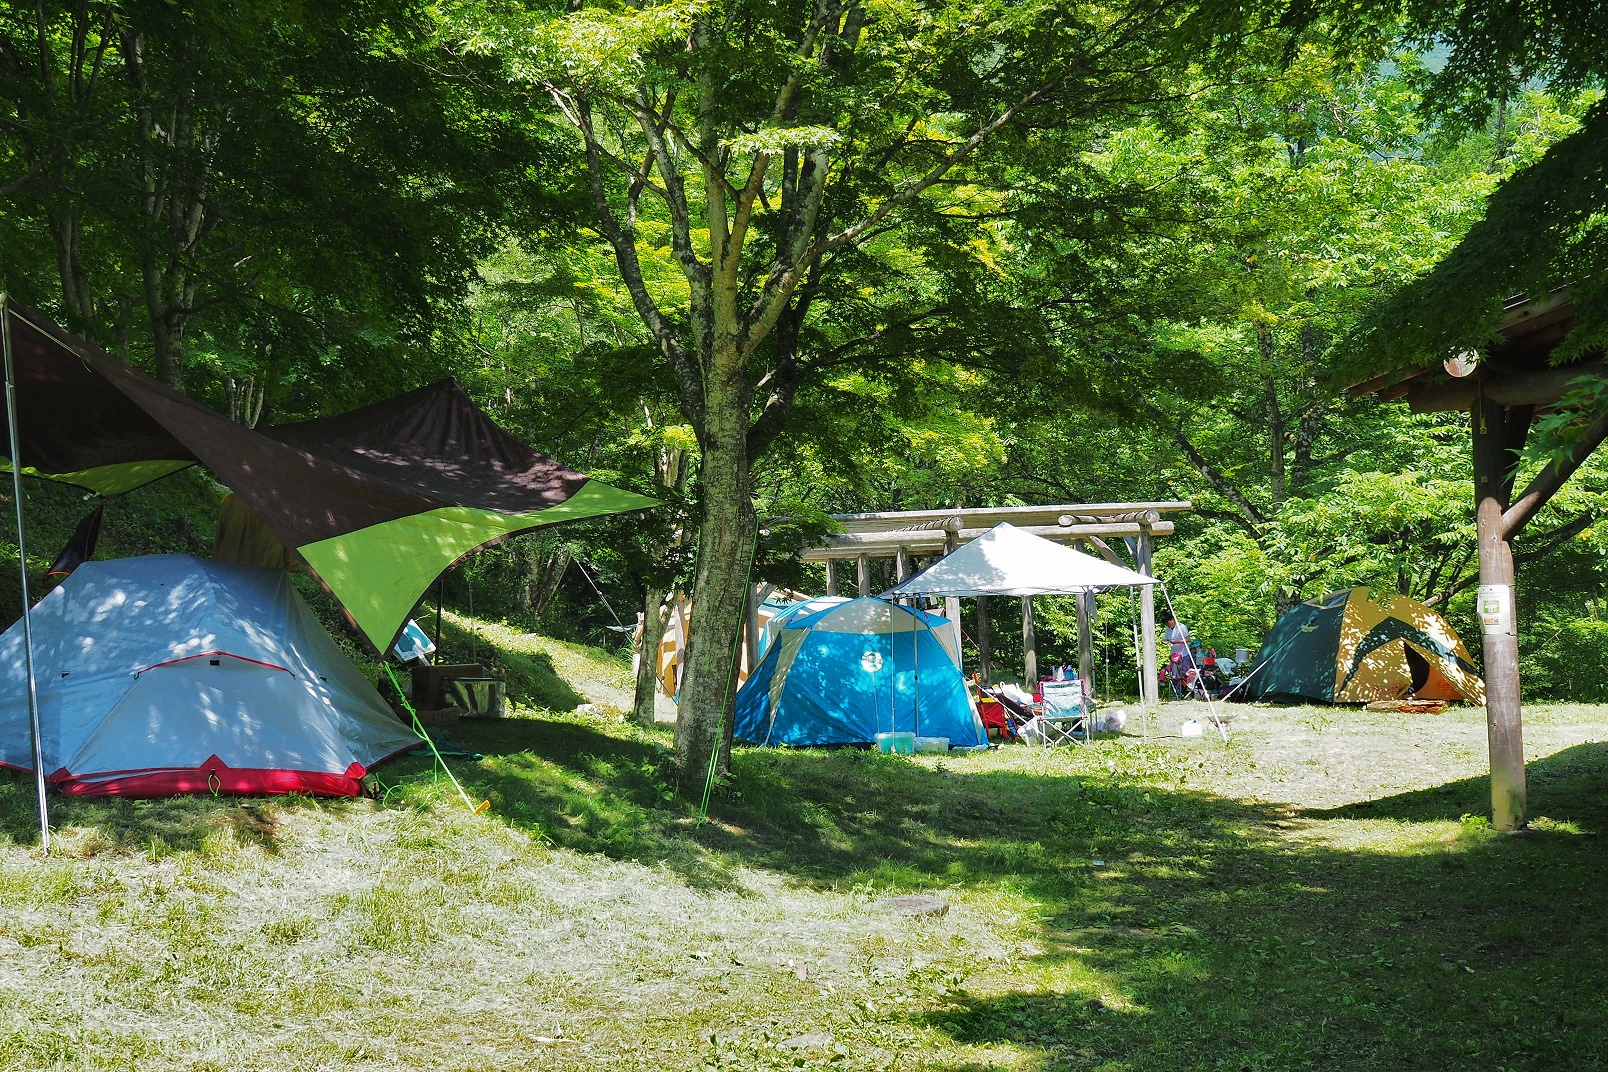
896, 743
1192, 728
932, 744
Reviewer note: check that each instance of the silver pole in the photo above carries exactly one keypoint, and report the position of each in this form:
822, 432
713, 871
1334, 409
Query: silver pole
22, 569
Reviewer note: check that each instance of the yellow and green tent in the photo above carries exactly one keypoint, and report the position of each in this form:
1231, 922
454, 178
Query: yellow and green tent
378, 502
1358, 646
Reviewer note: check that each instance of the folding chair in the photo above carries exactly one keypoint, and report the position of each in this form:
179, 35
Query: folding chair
1065, 718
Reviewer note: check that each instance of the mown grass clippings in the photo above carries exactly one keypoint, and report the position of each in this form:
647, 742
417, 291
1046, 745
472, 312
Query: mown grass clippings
1321, 892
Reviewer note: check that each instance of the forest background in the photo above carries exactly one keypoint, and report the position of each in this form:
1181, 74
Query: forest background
973, 278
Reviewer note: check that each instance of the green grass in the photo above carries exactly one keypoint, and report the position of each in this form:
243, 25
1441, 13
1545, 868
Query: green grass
1317, 893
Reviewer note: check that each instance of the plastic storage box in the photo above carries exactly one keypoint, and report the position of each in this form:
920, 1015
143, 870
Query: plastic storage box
901, 743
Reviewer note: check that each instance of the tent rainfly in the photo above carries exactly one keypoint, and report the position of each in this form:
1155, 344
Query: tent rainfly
378, 502
171, 674
1005, 561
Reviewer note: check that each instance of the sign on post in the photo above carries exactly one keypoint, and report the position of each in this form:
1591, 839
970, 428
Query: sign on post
1496, 609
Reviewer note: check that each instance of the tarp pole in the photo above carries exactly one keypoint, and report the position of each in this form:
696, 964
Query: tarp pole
22, 570
1189, 650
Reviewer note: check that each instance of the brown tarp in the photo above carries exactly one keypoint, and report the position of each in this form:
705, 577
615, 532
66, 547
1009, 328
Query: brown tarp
87, 418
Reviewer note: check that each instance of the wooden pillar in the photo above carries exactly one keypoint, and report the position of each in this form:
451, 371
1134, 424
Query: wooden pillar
831, 577
1029, 644
756, 596
901, 565
1498, 432
982, 638
952, 603
1147, 619
862, 574
1086, 641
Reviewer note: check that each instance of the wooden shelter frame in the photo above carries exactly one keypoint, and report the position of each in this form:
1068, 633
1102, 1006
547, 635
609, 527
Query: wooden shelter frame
1123, 534
1503, 390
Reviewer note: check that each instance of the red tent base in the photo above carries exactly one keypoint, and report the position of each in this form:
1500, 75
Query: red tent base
211, 778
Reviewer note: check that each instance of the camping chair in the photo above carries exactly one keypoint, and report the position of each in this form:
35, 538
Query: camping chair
1065, 718
1016, 713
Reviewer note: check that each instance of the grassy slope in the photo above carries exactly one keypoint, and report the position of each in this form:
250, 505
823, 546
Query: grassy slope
1304, 896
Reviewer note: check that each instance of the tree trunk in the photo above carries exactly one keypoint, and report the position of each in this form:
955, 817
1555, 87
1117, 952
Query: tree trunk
654, 620
1277, 484
720, 585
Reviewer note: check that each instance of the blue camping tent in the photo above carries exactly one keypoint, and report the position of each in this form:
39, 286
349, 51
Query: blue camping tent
787, 612
848, 672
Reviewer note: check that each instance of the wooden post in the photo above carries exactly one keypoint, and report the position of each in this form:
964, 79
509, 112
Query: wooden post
831, 577
862, 574
1086, 641
756, 597
1497, 433
1029, 645
982, 638
901, 565
952, 603
1147, 620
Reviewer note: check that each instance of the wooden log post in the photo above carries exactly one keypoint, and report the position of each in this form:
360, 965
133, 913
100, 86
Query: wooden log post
1498, 433
1029, 645
983, 639
862, 574
952, 603
1086, 641
1147, 621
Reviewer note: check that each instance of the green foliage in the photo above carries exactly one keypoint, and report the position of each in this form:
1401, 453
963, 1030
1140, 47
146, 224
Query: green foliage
1565, 656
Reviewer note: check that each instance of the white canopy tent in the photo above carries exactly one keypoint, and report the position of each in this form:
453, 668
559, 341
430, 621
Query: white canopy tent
1005, 561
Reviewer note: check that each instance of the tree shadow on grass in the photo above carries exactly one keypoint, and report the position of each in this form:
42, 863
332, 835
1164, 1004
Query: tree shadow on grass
90, 826
1272, 944
1576, 778
581, 787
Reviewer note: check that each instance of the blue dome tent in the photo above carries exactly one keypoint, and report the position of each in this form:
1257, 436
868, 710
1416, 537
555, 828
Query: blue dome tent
843, 674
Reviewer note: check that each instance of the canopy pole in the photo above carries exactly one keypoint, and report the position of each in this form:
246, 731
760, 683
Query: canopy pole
1189, 650
22, 570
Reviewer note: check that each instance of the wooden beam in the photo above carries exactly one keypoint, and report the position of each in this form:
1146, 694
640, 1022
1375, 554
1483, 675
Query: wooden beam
1551, 478
1538, 387
1108, 554
886, 544
988, 517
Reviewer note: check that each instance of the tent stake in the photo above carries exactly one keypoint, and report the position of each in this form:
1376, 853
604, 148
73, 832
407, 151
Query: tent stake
22, 570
